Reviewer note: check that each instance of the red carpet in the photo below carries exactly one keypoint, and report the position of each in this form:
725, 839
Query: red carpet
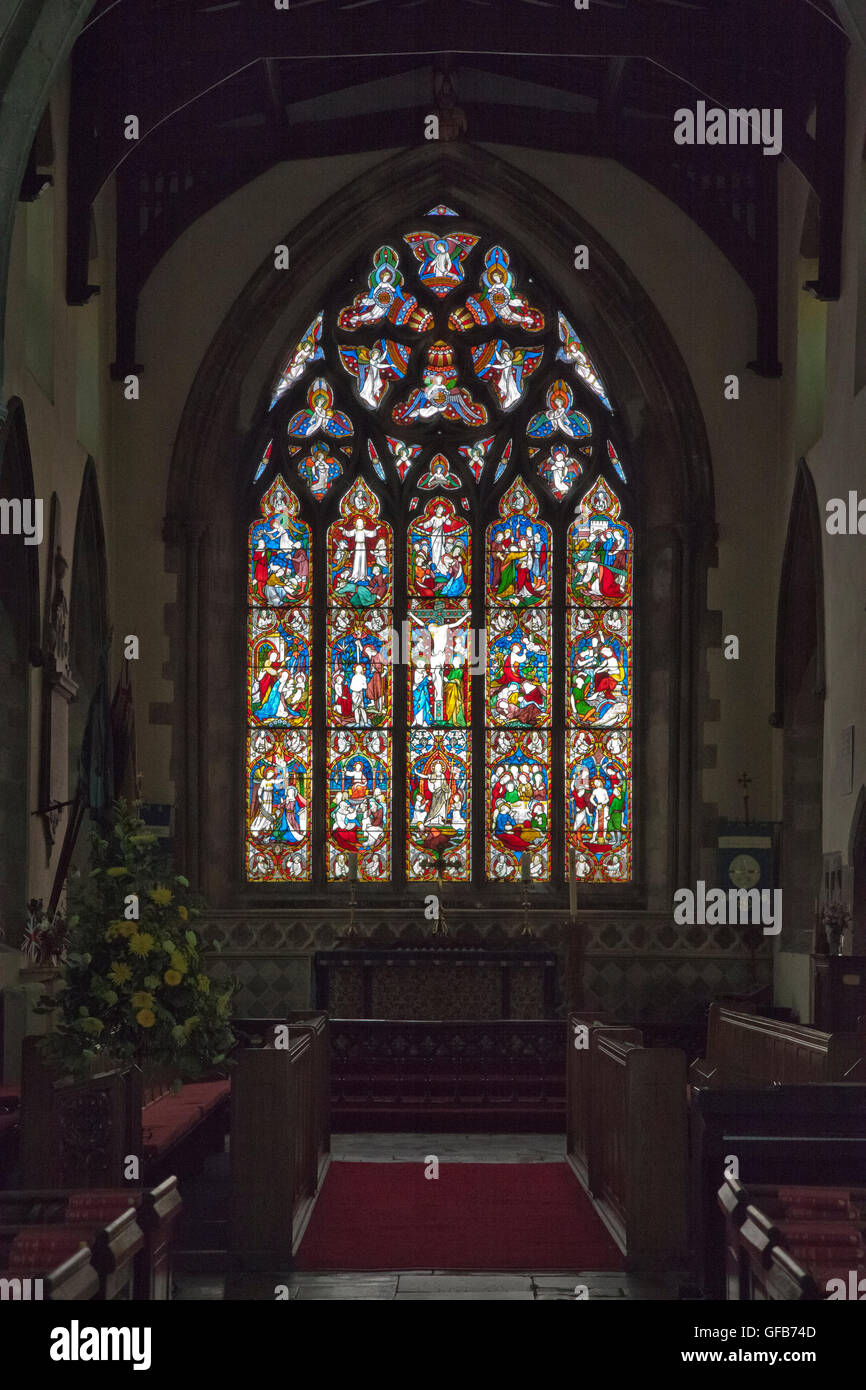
474, 1216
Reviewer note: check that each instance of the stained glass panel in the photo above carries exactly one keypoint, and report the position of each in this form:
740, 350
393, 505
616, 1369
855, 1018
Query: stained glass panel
279, 691
518, 564
358, 706
598, 689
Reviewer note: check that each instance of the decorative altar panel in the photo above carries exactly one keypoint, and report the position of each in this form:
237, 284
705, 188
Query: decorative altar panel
447, 983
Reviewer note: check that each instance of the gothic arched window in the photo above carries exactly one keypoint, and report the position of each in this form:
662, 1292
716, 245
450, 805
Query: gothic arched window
440, 583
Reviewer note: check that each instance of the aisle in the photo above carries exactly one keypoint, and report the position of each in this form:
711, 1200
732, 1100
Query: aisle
524, 1214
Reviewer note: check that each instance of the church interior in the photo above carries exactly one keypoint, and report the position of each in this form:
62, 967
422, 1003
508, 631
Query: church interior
432, 572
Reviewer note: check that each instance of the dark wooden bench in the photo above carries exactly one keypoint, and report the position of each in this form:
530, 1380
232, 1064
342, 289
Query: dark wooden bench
260, 1032
69, 1279
632, 1155
790, 1242
155, 1210
29, 1249
788, 1135
80, 1133
585, 1027
744, 1049
275, 1175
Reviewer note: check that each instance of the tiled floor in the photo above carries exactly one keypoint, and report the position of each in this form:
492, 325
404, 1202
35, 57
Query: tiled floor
431, 1284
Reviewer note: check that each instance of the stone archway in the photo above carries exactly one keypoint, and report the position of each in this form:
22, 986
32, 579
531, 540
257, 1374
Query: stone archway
208, 488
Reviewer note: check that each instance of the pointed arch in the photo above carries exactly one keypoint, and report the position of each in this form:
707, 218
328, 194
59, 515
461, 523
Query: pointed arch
226, 429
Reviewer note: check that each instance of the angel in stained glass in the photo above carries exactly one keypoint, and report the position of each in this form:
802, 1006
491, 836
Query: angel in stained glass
573, 351
497, 299
441, 258
308, 350
375, 367
505, 368
439, 393
319, 414
385, 298
559, 416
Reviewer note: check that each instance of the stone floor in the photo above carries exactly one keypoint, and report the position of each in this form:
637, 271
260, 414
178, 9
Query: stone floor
432, 1284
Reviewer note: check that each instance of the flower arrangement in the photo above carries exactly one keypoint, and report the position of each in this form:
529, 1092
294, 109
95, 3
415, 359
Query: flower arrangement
835, 919
135, 987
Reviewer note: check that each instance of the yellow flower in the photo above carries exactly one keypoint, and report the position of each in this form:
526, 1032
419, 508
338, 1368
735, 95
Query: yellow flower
178, 962
161, 896
172, 977
141, 943
203, 983
120, 972
145, 1017
182, 913
141, 999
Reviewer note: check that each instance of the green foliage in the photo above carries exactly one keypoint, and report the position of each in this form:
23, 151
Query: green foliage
135, 987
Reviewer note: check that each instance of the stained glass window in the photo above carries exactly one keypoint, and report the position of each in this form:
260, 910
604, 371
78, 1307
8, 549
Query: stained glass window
439, 714
359, 689
279, 691
599, 688
517, 594
431, 441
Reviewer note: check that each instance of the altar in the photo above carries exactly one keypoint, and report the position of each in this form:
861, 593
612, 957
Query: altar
436, 982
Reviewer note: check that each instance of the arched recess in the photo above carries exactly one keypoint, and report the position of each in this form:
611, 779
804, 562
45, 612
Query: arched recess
19, 649
89, 633
208, 498
800, 711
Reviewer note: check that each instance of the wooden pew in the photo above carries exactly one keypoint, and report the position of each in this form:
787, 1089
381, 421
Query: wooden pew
273, 1120
259, 1032
79, 1133
156, 1212
34, 1250
770, 1254
578, 1071
791, 1135
744, 1049
73, 1280
636, 1147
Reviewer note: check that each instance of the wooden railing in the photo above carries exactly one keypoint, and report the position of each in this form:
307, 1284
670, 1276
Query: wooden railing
501, 1074
276, 1117
629, 1142
747, 1050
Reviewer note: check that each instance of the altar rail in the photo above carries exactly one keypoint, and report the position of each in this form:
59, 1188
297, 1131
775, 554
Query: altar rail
628, 1142
506, 1075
